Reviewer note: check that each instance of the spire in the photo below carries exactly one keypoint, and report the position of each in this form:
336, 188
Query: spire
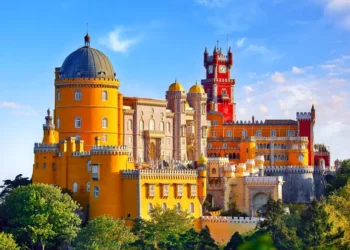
206, 50
175, 79
215, 50
313, 108
87, 40
229, 49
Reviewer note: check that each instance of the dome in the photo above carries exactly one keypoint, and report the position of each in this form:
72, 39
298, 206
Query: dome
87, 62
176, 86
202, 159
197, 89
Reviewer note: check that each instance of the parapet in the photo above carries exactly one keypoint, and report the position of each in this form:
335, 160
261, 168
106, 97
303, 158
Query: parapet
230, 168
304, 116
290, 169
81, 154
227, 219
263, 180
110, 150
159, 173
46, 148
221, 160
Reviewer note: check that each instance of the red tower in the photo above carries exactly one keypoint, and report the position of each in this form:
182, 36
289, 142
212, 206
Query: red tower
218, 85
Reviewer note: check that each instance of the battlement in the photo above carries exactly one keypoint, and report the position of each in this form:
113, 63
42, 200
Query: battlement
160, 173
49, 126
81, 154
227, 219
232, 81
84, 79
304, 116
46, 148
184, 163
111, 150
218, 159
290, 169
289, 139
230, 168
263, 180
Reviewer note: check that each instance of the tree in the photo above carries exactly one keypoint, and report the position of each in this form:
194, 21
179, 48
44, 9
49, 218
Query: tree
316, 229
260, 242
104, 233
189, 240
206, 241
39, 215
9, 185
7, 242
163, 228
342, 177
234, 242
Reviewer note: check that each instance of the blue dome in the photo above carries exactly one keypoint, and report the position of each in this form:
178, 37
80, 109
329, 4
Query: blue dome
87, 62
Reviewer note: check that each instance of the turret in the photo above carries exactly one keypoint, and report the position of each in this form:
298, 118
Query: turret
202, 177
215, 55
205, 56
230, 60
313, 113
49, 129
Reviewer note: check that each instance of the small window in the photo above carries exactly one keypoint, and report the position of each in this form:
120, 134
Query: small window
213, 171
290, 133
104, 138
95, 172
53, 166
301, 157
191, 208
168, 127
258, 133
77, 122
223, 92
165, 190
164, 207
77, 95
224, 146
151, 190
130, 139
129, 125
193, 190
244, 133
88, 186
104, 95
75, 187
215, 123
77, 137
209, 145
161, 126
58, 123
58, 96
88, 164
229, 133
96, 191
150, 208
141, 125
273, 133
151, 124
179, 190
104, 122
44, 165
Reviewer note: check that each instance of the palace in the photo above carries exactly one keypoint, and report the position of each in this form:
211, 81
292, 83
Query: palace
122, 156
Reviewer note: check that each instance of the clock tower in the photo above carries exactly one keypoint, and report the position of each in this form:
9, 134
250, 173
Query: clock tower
218, 85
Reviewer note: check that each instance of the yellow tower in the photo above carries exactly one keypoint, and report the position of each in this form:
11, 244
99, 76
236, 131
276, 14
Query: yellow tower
87, 101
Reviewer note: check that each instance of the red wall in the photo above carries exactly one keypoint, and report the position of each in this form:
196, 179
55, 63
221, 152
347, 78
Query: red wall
326, 158
305, 130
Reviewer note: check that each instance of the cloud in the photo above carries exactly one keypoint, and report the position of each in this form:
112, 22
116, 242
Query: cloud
18, 109
10, 105
241, 42
297, 70
212, 3
338, 11
248, 89
266, 55
278, 77
264, 109
115, 42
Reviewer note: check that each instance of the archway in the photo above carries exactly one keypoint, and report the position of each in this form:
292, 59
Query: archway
190, 154
258, 201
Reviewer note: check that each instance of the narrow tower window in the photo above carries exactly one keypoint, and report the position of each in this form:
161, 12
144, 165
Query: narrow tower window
77, 95
104, 138
258, 133
104, 95
168, 127
244, 133
273, 133
88, 186
104, 122
141, 125
161, 126
58, 96
229, 133
77, 122
129, 124
96, 191
75, 187
58, 123
88, 164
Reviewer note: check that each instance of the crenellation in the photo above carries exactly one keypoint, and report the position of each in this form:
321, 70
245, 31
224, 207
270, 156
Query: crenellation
228, 219
112, 150
44, 147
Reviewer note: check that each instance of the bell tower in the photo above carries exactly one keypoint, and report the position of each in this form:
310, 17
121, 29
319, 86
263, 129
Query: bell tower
218, 85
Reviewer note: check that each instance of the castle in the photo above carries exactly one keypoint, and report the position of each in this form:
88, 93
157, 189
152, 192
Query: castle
124, 155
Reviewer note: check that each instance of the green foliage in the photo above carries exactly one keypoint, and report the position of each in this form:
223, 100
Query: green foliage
9, 185
206, 241
234, 242
233, 211
342, 177
104, 233
259, 242
40, 215
7, 242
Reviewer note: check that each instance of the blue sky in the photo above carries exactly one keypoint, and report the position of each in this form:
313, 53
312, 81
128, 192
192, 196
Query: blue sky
287, 54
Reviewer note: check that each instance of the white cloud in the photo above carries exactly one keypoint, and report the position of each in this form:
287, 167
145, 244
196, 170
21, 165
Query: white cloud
297, 70
338, 5
212, 3
248, 89
114, 41
278, 77
10, 105
18, 109
338, 11
241, 42
266, 55
264, 109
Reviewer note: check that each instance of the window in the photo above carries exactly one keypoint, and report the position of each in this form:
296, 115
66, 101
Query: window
151, 190
77, 137
88, 164
168, 127
75, 187
213, 171
244, 133
273, 133
53, 166
164, 207
141, 125
104, 122
191, 208
224, 146
96, 191
215, 123
151, 124
130, 139
209, 145
77, 95
161, 126
150, 208
301, 157
77, 122
193, 190
179, 190
290, 133
104, 95
258, 133
104, 138
229, 133
58, 123
95, 175
213, 133
178, 206
88, 186
58, 96
129, 125
223, 92
44, 165
165, 190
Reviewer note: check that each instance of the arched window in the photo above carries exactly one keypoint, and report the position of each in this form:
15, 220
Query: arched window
161, 126
77, 122
223, 92
229, 133
104, 122
168, 127
77, 137
213, 170
104, 95
58, 96
104, 138
129, 125
150, 208
258, 133
178, 206
244, 133
96, 191
130, 139
191, 208
141, 125
151, 124
77, 95
75, 187
88, 186
88, 164
164, 207
58, 123
301, 157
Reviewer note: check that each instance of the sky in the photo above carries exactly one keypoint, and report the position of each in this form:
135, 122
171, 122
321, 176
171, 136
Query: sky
288, 55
